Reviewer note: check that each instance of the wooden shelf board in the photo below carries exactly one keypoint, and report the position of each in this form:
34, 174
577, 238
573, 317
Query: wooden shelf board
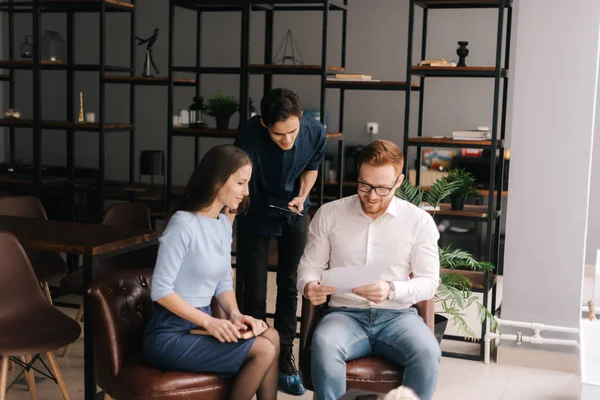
28, 180
482, 72
369, 85
28, 123
460, 3
140, 80
450, 142
469, 211
334, 135
291, 69
87, 4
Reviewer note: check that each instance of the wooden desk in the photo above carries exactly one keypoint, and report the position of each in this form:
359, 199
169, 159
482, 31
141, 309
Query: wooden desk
92, 241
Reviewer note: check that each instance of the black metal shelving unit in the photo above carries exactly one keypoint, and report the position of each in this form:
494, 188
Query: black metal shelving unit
491, 213
268, 69
70, 124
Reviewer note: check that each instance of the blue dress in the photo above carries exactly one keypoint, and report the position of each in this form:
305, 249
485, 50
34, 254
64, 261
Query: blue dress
194, 261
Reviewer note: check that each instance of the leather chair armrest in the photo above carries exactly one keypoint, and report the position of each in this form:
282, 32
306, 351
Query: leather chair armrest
426, 309
310, 316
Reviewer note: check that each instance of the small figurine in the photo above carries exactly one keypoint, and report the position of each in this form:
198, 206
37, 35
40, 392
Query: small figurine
462, 53
149, 60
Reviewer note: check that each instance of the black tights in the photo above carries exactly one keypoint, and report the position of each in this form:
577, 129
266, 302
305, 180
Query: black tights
259, 372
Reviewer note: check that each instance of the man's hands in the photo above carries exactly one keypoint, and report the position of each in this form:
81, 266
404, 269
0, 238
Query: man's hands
376, 292
316, 293
297, 203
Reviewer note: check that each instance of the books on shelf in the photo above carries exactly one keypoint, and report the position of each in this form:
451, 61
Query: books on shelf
442, 62
475, 134
352, 78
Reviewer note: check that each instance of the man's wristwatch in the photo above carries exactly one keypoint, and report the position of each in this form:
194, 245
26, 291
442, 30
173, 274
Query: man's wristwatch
392, 294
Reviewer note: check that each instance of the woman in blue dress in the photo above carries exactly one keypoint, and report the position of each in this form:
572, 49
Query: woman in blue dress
192, 267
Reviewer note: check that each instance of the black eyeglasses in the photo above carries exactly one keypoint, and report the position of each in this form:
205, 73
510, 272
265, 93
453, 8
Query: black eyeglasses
379, 190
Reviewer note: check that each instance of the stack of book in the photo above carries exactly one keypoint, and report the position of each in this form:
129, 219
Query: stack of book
352, 77
475, 134
442, 62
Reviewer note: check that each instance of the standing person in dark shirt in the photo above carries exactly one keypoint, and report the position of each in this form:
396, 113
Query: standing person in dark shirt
287, 150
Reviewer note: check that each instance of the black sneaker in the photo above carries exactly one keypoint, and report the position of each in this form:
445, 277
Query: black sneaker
289, 379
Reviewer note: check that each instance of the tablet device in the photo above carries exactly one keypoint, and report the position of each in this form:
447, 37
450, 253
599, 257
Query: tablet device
282, 206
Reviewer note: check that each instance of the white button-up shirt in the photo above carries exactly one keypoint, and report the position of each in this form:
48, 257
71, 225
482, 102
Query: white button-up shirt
404, 240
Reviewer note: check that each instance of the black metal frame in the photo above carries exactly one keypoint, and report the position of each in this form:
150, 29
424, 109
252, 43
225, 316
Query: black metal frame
246, 69
37, 8
496, 181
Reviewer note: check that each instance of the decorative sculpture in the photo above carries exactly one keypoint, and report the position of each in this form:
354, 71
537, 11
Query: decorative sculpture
462, 52
288, 40
149, 59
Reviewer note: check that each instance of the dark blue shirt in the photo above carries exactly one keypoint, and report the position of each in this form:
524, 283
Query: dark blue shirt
276, 173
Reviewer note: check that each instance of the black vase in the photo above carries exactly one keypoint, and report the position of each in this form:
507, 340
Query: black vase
439, 327
462, 53
222, 123
458, 202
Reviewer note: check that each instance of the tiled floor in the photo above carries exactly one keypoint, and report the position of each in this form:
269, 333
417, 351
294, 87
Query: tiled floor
458, 380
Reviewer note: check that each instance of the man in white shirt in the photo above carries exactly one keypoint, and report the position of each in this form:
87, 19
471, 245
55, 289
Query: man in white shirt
393, 238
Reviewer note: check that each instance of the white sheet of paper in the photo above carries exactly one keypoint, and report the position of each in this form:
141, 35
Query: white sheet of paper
344, 279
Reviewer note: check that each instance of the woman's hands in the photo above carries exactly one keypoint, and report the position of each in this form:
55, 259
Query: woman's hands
222, 329
242, 322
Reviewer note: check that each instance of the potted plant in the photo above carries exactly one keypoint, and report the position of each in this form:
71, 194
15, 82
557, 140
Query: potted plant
222, 107
466, 187
454, 293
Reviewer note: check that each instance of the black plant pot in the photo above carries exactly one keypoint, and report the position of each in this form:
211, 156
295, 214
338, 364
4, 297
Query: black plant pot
458, 202
439, 327
222, 123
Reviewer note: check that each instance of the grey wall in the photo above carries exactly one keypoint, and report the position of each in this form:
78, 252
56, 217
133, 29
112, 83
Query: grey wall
545, 233
377, 42
593, 226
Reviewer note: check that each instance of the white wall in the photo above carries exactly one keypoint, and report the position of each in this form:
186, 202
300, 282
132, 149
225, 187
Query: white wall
553, 127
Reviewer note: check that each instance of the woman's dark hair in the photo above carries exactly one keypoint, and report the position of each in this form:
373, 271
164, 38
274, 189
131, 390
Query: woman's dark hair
279, 105
213, 171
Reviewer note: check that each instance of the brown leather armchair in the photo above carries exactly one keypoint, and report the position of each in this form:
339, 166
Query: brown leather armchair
371, 373
122, 307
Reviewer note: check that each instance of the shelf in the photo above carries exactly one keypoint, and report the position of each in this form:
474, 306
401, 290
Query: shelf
278, 5
469, 212
290, 69
449, 142
155, 81
209, 133
86, 5
83, 126
209, 70
230, 134
59, 65
458, 72
369, 85
441, 4
476, 278
28, 179
4, 77
220, 8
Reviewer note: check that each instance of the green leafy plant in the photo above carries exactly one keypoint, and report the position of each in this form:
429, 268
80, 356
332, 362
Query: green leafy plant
455, 296
222, 106
440, 189
462, 260
465, 179
410, 193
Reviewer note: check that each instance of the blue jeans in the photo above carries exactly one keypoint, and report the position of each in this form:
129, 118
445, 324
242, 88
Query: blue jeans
399, 336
